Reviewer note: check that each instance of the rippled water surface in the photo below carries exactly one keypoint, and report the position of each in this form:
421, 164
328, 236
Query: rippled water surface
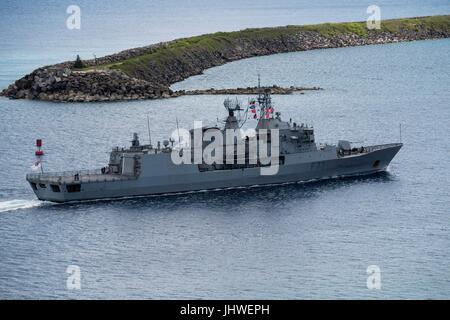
309, 240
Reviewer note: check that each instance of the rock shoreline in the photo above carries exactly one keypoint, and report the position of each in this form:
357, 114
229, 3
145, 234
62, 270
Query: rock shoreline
152, 81
247, 91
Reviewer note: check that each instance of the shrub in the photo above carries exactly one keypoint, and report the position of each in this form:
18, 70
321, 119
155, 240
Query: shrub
78, 63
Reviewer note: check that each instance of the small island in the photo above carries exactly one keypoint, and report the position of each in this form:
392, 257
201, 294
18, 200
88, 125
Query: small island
148, 72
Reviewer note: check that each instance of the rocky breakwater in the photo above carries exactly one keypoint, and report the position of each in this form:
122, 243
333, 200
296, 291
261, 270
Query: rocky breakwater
148, 72
246, 91
59, 83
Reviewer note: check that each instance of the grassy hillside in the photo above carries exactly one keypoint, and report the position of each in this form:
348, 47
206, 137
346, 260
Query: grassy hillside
217, 43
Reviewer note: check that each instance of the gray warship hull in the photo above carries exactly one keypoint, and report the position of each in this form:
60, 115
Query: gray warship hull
159, 175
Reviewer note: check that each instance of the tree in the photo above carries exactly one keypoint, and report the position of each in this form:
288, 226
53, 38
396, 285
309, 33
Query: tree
78, 63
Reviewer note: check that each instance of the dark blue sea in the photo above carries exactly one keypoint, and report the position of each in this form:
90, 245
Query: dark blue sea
306, 240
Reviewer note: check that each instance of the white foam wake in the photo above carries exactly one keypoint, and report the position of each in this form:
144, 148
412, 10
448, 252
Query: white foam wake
17, 204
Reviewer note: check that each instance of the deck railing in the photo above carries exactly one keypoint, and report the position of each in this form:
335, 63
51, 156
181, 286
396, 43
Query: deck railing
78, 176
368, 149
380, 147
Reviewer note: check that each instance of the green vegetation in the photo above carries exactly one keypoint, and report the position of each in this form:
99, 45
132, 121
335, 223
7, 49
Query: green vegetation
216, 43
436, 23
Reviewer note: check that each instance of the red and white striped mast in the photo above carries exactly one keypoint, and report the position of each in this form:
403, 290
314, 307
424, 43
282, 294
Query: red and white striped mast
39, 154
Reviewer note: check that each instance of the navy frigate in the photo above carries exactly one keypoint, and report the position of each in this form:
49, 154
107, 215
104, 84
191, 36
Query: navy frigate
144, 169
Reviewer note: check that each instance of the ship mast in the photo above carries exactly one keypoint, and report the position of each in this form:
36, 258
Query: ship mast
264, 99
